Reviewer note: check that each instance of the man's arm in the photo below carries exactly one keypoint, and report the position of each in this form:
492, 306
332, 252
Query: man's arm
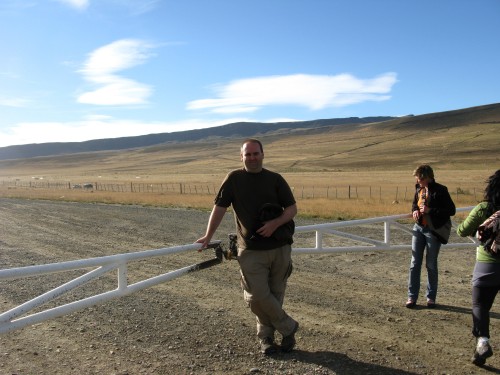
216, 217
270, 226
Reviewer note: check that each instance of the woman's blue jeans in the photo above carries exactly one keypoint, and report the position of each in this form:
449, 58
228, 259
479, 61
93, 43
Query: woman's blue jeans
422, 239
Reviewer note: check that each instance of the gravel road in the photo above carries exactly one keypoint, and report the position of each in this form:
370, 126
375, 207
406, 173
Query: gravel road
350, 305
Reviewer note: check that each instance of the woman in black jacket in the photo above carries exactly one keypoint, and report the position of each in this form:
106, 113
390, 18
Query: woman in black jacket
432, 207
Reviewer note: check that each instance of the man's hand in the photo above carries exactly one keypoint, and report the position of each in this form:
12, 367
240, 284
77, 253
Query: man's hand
205, 240
268, 228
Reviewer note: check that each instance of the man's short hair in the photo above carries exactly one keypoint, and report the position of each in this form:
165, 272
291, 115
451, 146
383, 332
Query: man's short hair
253, 140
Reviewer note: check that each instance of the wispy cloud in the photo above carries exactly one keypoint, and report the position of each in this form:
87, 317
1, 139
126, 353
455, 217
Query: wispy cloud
77, 4
13, 5
13, 102
138, 7
135, 7
312, 91
112, 89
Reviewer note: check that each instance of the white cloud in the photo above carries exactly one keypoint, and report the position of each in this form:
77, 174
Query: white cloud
77, 4
312, 91
138, 7
235, 109
112, 89
135, 7
282, 119
118, 91
96, 127
14, 102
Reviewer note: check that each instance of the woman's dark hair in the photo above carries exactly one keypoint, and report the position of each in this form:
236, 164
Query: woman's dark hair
424, 171
492, 192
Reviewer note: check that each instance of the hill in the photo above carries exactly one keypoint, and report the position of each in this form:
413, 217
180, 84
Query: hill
239, 129
454, 140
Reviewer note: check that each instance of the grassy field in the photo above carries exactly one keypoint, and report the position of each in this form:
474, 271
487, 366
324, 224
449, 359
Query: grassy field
376, 161
373, 193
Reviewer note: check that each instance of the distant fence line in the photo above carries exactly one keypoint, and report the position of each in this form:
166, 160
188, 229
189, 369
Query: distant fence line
395, 193
129, 187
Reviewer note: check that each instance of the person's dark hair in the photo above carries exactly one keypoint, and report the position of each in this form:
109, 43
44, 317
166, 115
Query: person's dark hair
253, 140
492, 192
424, 171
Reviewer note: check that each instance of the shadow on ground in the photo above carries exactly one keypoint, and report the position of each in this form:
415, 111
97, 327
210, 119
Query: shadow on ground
342, 364
456, 309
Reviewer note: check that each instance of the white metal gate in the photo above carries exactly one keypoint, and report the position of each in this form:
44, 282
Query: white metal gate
322, 234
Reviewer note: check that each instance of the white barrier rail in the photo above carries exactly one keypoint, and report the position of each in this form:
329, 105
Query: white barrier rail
369, 244
13, 319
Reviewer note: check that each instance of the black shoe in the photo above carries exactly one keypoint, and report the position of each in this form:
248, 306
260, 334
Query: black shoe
268, 346
410, 303
482, 352
288, 342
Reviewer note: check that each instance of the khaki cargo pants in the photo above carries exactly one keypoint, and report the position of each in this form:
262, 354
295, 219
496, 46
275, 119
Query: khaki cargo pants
264, 274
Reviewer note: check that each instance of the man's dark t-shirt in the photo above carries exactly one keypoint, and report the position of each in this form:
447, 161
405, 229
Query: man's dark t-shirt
247, 193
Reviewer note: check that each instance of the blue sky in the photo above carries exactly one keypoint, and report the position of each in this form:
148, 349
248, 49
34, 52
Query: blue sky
74, 70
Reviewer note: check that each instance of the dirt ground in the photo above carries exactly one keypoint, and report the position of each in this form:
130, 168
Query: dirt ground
350, 305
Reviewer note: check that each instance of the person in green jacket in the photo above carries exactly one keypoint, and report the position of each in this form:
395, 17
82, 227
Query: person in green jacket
486, 275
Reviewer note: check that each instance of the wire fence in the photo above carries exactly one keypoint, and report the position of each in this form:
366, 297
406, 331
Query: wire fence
124, 187
394, 193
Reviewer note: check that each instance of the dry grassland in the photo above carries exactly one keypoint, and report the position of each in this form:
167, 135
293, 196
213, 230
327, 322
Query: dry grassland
351, 306
375, 160
372, 193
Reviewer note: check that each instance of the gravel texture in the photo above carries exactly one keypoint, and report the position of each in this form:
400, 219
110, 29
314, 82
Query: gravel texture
350, 305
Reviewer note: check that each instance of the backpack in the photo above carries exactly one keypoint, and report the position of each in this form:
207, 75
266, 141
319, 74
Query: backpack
489, 234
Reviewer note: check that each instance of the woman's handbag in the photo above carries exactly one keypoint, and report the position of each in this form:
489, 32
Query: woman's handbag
443, 232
